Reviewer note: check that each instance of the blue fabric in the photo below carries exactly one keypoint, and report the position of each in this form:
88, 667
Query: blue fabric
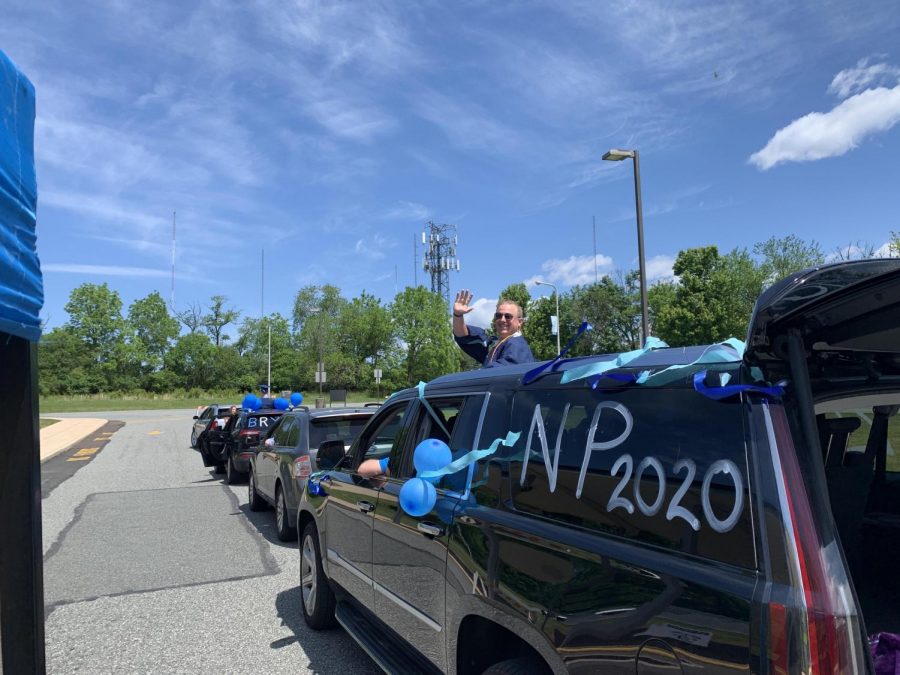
383, 463
478, 345
21, 284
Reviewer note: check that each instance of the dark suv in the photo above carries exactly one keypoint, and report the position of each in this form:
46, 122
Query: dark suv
212, 418
711, 510
232, 446
287, 457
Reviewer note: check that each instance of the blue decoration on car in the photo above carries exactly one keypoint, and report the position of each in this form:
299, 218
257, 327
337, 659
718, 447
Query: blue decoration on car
725, 390
533, 374
281, 403
430, 455
437, 418
296, 398
251, 402
417, 497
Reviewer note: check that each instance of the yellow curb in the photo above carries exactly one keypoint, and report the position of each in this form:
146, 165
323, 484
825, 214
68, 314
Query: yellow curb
67, 432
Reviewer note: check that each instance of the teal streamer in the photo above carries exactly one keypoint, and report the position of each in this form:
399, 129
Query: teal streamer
620, 361
471, 457
729, 351
421, 389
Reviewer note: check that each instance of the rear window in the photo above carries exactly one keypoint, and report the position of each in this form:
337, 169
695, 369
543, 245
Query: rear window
261, 422
667, 467
335, 428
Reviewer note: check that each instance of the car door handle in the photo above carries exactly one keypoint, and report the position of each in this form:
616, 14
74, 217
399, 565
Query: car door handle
430, 530
365, 507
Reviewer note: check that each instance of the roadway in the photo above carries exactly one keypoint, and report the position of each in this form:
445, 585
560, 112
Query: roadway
152, 564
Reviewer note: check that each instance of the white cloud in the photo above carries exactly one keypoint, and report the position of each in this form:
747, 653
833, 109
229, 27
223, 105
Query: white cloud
854, 80
482, 312
408, 211
104, 270
887, 250
659, 268
574, 270
374, 247
820, 135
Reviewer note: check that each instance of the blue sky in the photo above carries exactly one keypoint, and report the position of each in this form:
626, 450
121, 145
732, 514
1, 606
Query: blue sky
328, 133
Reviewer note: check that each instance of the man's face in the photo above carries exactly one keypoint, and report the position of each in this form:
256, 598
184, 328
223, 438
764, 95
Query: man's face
507, 320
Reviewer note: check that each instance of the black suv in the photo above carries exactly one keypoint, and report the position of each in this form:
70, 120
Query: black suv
688, 510
213, 417
286, 458
231, 447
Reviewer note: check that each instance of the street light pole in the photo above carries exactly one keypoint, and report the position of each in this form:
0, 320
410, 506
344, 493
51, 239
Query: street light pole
558, 323
618, 156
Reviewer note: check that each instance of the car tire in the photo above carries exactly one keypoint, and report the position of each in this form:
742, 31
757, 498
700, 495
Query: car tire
255, 500
317, 598
232, 475
194, 439
283, 528
525, 665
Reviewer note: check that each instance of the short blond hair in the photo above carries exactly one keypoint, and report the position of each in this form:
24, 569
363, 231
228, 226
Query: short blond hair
507, 301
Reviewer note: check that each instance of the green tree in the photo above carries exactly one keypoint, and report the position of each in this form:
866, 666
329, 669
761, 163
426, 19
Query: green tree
153, 326
66, 365
613, 309
536, 328
423, 329
192, 359
713, 299
517, 293
95, 316
253, 347
316, 320
783, 256
217, 318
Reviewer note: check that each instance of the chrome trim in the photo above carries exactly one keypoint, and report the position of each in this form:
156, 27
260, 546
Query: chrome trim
403, 604
335, 557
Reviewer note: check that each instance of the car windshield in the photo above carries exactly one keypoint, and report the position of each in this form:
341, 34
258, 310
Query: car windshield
335, 428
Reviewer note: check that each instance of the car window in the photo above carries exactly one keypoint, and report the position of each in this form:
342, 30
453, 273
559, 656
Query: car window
456, 416
282, 433
206, 414
384, 433
852, 442
293, 437
664, 466
334, 428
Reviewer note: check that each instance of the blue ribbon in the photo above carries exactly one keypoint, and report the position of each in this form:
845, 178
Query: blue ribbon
532, 374
725, 390
421, 388
471, 457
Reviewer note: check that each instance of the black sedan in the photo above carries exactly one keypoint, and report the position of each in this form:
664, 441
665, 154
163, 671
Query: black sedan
213, 418
281, 465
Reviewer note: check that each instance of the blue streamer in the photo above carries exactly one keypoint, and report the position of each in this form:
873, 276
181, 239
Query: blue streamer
532, 374
726, 390
421, 388
471, 457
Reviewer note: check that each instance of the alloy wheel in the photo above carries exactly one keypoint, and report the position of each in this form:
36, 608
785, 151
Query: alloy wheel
308, 579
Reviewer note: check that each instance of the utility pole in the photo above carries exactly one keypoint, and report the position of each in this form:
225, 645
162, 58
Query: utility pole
173, 261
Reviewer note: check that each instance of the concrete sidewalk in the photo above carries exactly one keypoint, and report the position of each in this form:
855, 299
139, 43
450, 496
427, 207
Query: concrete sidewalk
58, 437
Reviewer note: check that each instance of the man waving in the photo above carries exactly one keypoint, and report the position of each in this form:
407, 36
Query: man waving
507, 346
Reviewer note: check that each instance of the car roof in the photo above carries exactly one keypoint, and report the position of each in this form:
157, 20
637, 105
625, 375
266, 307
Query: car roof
655, 358
316, 413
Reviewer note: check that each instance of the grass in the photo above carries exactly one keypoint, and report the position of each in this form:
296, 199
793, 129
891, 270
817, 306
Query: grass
859, 437
145, 401
47, 423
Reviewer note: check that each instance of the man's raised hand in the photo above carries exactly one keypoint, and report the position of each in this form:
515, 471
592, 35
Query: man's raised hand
461, 305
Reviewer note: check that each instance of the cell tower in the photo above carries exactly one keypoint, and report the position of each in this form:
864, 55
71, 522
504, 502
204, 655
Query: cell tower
440, 243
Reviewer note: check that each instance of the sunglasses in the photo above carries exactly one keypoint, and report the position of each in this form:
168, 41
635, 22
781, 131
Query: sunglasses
504, 315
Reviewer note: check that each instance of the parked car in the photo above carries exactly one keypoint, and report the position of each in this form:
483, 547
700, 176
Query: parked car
232, 447
690, 510
281, 465
213, 417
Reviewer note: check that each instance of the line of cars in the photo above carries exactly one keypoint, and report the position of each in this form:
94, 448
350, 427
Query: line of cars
274, 450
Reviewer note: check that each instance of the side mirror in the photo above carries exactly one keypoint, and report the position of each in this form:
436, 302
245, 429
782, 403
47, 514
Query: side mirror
330, 454
196, 417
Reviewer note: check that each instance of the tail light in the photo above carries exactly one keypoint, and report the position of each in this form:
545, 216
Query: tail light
302, 467
828, 636
249, 436
214, 424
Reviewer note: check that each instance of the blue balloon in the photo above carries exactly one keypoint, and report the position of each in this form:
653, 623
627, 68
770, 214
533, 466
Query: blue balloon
281, 403
417, 497
431, 454
250, 402
296, 398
